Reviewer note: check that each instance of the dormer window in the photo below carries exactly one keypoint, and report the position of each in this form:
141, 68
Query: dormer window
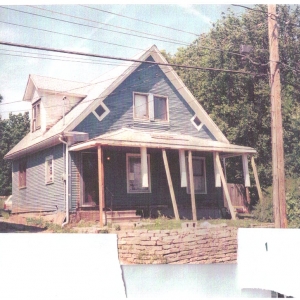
150, 107
36, 116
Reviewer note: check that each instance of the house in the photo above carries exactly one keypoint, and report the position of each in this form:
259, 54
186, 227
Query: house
131, 140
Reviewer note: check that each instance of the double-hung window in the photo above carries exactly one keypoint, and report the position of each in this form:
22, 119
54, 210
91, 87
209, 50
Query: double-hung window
22, 174
199, 173
150, 107
49, 169
134, 174
36, 116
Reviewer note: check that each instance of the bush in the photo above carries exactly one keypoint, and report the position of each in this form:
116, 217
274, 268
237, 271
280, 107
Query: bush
263, 212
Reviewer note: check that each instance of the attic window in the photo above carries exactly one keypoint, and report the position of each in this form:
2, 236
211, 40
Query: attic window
36, 116
150, 107
101, 112
196, 122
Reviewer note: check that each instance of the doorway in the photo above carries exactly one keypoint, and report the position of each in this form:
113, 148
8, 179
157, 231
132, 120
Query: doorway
90, 179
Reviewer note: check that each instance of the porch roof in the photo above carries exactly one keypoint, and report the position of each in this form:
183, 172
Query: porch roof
127, 137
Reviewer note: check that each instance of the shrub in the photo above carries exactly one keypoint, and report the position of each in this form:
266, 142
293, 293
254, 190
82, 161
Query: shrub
263, 212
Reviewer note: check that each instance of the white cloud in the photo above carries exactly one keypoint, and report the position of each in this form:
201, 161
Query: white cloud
190, 9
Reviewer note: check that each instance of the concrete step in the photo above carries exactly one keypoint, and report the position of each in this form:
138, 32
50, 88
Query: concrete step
124, 219
120, 213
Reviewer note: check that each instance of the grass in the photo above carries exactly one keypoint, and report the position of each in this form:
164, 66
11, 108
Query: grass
51, 227
163, 223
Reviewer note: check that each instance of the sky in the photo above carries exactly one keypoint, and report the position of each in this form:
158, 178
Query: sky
105, 29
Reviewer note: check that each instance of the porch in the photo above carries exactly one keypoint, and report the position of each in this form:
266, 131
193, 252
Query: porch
174, 175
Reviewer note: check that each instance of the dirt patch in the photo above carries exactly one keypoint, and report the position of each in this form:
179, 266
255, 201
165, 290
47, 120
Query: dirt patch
9, 227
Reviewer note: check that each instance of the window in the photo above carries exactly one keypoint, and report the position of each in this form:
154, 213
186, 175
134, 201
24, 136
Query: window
22, 174
49, 169
196, 122
160, 108
141, 106
150, 107
199, 172
134, 176
36, 116
101, 112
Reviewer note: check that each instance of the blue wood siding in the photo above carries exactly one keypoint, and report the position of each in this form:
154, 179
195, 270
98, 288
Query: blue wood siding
146, 79
39, 196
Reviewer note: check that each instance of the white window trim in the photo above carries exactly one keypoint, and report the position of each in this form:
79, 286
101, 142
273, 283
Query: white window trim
46, 169
106, 112
150, 99
128, 155
36, 118
198, 127
188, 176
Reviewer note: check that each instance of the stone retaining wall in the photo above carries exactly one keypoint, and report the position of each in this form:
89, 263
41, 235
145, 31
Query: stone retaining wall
182, 246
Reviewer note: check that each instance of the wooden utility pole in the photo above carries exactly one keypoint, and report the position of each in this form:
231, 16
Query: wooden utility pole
279, 202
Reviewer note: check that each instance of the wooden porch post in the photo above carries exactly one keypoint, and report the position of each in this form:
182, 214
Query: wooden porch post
192, 187
170, 184
225, 188
260, 194
101, 184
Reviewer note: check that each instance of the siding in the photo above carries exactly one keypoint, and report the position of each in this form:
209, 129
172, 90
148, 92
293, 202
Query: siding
38, 196
146, 79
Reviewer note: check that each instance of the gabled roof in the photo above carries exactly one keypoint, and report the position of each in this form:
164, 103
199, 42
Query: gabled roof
54, 85
99, 89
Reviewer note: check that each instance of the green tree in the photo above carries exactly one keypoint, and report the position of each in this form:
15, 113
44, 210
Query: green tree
12, 130
240, 103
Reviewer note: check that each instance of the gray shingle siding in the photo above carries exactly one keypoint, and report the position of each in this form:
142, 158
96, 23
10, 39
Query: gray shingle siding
146, 79
39, 196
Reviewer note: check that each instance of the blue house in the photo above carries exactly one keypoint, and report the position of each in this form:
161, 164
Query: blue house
135, 140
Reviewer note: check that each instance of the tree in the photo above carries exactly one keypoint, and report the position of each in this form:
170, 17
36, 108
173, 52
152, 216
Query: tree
240, 103
12, 130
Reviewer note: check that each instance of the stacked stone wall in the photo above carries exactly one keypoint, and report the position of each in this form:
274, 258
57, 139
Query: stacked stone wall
182, 246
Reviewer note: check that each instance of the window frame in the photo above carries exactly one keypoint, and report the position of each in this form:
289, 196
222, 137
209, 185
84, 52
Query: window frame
198, 127
150, 107
36, 116
22, 174
198, 192
167, 108
47, 175
142, 191
105, 113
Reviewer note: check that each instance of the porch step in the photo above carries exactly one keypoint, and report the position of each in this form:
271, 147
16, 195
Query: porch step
122, 216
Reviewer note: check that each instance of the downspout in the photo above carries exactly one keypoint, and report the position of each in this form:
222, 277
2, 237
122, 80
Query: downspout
67, 180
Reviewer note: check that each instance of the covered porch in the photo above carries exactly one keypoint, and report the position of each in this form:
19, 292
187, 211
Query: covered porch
178, 175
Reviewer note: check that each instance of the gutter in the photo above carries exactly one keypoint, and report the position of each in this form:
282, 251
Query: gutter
67, 180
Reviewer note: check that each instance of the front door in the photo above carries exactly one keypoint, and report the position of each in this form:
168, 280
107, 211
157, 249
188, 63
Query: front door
90, 179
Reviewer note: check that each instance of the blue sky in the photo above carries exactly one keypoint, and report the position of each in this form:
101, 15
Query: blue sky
102, 35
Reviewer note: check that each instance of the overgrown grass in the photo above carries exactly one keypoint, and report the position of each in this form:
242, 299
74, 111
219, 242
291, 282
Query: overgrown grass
51, 227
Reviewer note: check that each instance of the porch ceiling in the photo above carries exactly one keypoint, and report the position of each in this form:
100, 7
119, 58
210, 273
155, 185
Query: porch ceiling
134, 138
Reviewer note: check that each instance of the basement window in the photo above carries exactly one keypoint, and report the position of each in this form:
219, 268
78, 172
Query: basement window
196, 122
36, 116
101, 111
134, 174
49, 169
22, 174
199, 173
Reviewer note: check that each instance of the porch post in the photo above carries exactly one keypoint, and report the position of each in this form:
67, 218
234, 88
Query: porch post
165, 159
260, 194
101, 184
144, 167
246, 170
183, 180
217, 173
192, 187
225, 188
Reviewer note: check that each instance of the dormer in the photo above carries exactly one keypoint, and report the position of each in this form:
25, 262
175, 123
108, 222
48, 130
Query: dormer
51, 99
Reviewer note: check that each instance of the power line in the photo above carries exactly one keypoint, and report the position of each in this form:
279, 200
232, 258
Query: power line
124, 59
106, 24
90, 26
139, 20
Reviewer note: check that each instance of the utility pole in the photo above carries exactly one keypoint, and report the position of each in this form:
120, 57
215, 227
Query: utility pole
279, 202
